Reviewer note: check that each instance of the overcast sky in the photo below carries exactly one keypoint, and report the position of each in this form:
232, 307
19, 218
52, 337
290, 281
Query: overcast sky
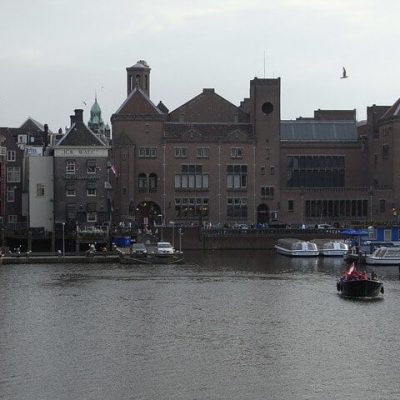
56, 54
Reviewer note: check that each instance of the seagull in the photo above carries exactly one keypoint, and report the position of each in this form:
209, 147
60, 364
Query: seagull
84, 102
344, 75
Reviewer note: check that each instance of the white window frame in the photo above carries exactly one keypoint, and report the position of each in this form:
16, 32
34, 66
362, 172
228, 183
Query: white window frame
91, 192
70, 192
11, 155
236, 152
202, 152
91, 216
10, 194
12, 219
70, 166
14, 174
180, 152
40, 190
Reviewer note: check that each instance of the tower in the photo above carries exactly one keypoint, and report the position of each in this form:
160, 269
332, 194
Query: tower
139, 76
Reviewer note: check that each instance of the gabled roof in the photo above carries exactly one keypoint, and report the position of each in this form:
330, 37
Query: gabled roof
209, 107
319, 130
80, 135
138, 103
393, 111
32, 125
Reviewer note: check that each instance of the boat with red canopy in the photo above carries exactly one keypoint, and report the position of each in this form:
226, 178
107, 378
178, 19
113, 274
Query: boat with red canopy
354, 283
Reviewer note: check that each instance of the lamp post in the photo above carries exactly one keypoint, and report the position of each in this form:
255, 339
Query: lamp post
63, 238
173, 232
180, 240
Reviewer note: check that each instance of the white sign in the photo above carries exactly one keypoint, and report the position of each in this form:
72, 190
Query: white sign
83, 152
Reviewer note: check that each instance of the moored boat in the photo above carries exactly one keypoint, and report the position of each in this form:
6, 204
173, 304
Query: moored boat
384, 256
359, 284
296, 248
331, 247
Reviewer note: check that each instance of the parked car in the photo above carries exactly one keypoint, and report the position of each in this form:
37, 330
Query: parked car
138, 250
324, 226
165, 248
241, 227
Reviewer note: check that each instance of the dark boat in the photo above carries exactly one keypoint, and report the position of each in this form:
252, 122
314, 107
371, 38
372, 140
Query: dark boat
359, 284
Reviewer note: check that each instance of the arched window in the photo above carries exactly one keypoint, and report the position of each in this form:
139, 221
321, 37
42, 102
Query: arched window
152, 182
142, 182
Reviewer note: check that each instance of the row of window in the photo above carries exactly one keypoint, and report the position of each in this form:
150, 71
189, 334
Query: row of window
187, 207
70, 166
182, 152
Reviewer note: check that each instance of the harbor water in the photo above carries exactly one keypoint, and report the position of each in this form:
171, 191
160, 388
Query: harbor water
224, 325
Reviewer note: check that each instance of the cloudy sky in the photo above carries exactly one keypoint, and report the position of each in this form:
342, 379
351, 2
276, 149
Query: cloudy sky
56, 54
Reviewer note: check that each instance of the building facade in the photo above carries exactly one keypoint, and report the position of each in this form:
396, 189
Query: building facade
81, 185
211, 162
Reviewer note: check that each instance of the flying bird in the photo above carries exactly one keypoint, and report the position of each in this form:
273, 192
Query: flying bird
344, 74
84, 102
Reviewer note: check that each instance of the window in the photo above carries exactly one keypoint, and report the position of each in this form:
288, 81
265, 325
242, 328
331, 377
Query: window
236, 152
91, 166
267, 191
237, 177
191, 208
124, 190
70, 192
22, 139
142, 182
10, 194
191, 177
91, 216
12, 219
202, 152
70, 209
147, 152
70, 166
152, 183
11, 155
91, 192
315, 171
382, 205
180, 152
262, 170
385, 151
290, 205
40, 190
237, 207
14, 174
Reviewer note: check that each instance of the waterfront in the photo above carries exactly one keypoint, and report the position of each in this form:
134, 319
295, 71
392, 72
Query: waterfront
225, 325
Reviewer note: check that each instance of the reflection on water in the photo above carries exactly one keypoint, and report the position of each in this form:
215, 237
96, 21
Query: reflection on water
226, 325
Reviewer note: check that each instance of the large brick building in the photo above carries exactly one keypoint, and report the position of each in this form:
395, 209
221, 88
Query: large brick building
211, 161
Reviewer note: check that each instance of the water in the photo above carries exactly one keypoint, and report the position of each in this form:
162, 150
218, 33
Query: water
227, 325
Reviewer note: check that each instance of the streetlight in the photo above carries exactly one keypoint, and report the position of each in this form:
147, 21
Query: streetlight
173, 232
180, 240
63, 238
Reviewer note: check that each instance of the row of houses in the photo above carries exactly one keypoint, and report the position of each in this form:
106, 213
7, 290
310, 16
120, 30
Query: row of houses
207, 162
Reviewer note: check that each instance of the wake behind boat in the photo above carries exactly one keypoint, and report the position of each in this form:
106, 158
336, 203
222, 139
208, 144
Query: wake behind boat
357, 284
296, 248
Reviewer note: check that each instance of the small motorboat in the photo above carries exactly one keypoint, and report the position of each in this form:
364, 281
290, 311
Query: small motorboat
359, 284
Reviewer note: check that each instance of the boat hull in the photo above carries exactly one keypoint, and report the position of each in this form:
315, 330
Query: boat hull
371, 260
296, 253
360, 288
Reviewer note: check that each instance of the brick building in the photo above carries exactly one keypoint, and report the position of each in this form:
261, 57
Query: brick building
81, 184
211, 161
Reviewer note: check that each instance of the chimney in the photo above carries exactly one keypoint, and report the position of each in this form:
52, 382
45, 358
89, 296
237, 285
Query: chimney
73, 119
79, 115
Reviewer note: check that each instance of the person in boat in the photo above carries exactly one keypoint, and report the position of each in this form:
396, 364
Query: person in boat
374, 276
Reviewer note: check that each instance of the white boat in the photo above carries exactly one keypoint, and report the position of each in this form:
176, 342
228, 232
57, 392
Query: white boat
384, 256
296, 248
331, 247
